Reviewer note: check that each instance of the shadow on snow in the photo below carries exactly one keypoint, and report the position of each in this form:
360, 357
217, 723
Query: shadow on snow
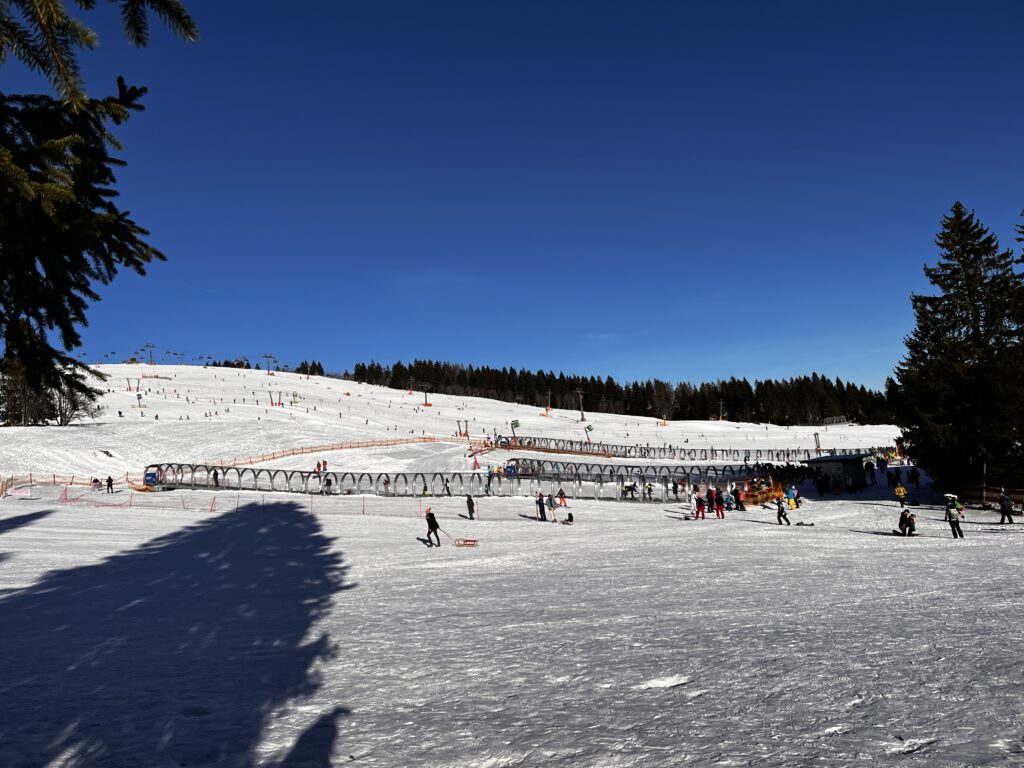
176, 652
12, 523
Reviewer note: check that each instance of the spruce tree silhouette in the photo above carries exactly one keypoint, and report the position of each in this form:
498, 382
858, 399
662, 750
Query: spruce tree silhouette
174, 653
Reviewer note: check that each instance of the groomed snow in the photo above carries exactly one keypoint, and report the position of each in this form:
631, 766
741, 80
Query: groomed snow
193, 630
193, 414
269, 634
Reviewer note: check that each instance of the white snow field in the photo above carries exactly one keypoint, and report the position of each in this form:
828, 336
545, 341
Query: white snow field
221, 428
247, 629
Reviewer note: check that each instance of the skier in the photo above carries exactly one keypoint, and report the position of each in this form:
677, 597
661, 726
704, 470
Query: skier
675, 490
561, 498
901, 494
698, 513
447, 489
470, 507
781, 515
326, 490
540, 507
110, 485
649, 491
568, 520
386, 484
432, 528
1005, 508
317, 470
738, 494
719, 504
914, 476
709, 497
953, 515
216, 480
693, 505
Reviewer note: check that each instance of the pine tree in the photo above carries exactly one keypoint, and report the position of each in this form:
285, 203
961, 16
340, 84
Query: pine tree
61, 235
46, 39
956, 394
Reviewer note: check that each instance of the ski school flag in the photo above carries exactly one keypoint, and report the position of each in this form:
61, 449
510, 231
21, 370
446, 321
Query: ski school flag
590, 427
515, 423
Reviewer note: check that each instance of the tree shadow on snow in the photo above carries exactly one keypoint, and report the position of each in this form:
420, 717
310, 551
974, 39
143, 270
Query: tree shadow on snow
11, 523
176, 652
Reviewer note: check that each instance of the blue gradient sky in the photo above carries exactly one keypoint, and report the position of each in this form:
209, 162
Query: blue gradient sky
646, 189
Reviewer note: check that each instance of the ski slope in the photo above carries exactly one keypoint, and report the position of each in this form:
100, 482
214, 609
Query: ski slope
194, 414
201, 630
287, 632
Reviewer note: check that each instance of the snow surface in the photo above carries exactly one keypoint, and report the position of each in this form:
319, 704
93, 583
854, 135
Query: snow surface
193, 629
221, 428
269, 634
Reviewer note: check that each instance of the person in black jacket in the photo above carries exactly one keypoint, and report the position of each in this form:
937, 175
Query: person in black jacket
780, 506
1005, 508
469, 506
110, 487
432, 529
541, 515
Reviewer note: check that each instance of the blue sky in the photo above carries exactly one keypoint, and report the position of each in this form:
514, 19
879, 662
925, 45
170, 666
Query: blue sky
646, 189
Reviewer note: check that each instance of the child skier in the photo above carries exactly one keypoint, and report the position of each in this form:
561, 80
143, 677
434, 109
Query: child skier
781, 511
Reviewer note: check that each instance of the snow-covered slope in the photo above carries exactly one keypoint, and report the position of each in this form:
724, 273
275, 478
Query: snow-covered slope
193, 414
289, 632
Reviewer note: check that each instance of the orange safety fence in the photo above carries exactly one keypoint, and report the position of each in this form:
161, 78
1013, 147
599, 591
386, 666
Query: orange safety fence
52, 478
237, 461
136, 478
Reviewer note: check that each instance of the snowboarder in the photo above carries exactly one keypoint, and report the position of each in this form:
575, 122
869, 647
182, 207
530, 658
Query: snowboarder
901, 494
432, 529
110, 485
781, 515
953, 515
541, 515
470, 506
1005, 508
